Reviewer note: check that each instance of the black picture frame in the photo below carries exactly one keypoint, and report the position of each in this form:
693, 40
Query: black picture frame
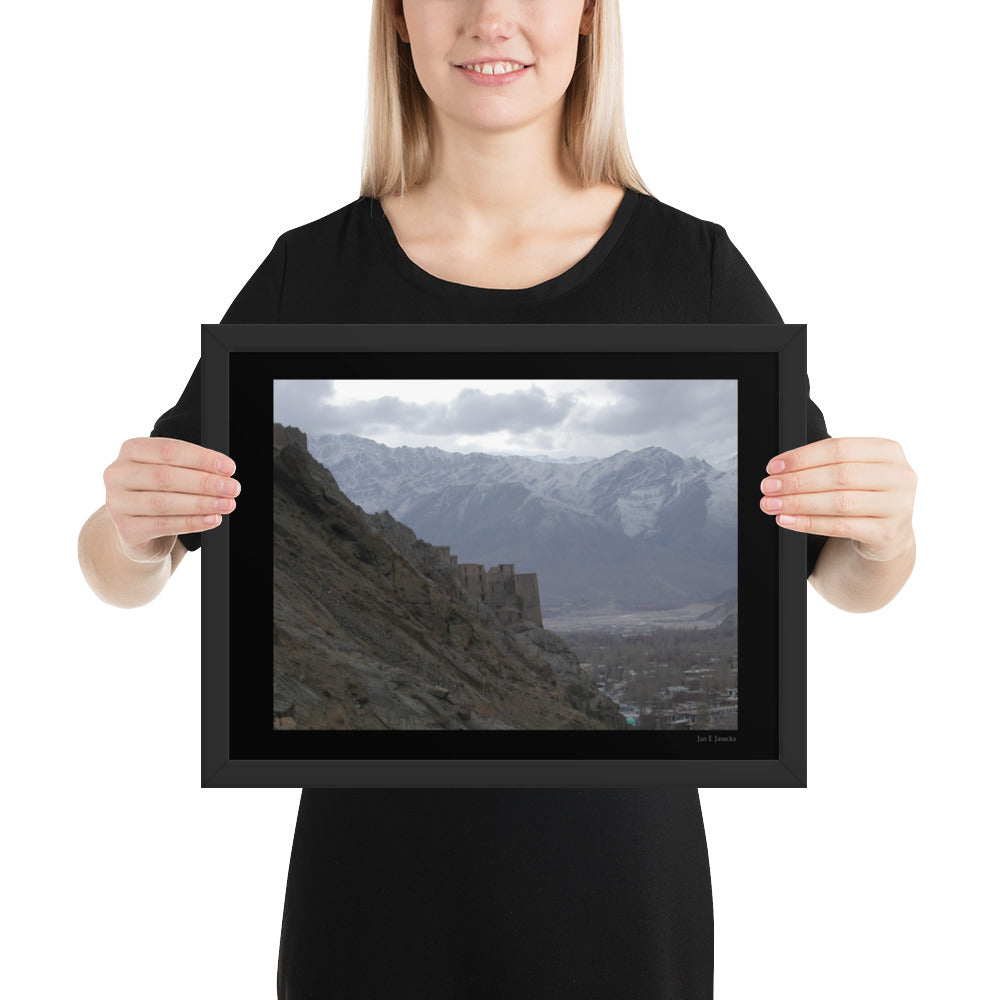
240, 747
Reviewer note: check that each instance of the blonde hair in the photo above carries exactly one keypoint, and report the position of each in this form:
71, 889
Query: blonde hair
397, 140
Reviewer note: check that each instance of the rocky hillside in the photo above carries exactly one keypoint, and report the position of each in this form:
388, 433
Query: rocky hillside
372, 632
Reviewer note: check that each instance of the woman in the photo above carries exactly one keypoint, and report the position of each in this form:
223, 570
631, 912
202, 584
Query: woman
503, 196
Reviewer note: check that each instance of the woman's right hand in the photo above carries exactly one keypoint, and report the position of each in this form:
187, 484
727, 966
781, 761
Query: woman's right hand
159, 488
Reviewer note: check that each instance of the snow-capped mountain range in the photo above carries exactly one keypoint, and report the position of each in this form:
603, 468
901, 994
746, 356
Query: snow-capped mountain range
644, 529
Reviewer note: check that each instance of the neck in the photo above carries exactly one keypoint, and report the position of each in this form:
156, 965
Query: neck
498, 181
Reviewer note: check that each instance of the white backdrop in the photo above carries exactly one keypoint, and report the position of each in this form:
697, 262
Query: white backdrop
155, 152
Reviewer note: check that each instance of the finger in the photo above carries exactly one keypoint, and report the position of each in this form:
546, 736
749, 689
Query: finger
832, 451
844, 476
140, 530
173, 451
155, 503
842, 503
141, 477
862, 528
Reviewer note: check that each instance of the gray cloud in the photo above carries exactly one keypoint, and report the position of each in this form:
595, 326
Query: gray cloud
518, 412
646, 404
472, 411
369, 415
299, 403
690, 417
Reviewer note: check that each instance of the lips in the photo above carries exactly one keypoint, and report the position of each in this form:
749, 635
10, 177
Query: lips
492, 59
490, 80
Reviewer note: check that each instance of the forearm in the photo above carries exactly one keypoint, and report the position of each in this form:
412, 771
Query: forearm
113, 576
852, 583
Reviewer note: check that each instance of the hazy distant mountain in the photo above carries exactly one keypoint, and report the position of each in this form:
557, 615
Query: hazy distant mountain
643, 529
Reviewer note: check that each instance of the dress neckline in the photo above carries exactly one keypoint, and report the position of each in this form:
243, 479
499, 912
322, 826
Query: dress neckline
549, 289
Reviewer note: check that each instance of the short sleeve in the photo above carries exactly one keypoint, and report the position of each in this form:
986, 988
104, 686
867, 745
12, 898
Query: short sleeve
738, 297
259, 301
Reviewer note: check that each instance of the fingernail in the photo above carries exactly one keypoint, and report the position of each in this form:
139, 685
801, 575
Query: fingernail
771, 485
772, 503
211, 519
786, 519
225, 466
775, 465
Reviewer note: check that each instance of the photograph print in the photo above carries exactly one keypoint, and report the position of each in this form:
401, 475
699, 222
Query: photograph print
507, 554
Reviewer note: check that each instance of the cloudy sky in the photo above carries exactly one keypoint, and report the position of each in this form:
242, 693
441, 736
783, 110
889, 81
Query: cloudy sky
561, 419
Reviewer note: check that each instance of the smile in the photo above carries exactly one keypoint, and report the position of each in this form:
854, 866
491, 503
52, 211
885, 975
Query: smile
494, 74
494, 69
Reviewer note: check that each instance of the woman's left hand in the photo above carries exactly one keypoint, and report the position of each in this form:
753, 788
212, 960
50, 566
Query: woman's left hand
852, 487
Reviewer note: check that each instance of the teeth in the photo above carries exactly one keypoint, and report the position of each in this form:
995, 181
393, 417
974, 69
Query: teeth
495, 69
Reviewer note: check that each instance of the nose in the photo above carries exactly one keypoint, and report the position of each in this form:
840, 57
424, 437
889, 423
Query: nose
491, 19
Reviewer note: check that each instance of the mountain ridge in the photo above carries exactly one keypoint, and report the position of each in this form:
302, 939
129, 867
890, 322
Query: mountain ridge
645, 527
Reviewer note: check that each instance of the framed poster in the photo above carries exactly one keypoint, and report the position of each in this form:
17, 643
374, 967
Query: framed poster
490, 554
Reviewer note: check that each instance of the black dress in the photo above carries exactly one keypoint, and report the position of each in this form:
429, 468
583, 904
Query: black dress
498, 894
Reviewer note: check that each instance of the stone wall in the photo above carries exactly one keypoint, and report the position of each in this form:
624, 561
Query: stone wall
527, 592
513, 596
444, 552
